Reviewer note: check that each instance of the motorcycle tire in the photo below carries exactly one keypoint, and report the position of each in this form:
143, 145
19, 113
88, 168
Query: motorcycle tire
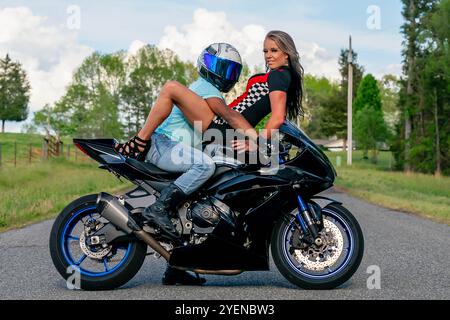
134, 252
301, 271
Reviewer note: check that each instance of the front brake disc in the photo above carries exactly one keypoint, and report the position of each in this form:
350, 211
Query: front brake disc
319, 258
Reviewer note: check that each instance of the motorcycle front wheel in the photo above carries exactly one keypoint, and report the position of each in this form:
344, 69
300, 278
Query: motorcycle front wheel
86, 265
313, 267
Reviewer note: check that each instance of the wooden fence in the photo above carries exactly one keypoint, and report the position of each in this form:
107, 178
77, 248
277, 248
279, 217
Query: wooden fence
14, 154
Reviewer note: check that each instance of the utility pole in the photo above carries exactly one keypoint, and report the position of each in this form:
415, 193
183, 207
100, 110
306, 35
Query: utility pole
349, 104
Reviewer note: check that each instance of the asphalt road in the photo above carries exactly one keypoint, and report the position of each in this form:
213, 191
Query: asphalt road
410, 253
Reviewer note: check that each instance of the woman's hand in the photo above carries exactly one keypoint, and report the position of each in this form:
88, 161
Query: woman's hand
244, 145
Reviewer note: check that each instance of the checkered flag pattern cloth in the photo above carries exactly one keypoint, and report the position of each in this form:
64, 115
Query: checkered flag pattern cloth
256, 92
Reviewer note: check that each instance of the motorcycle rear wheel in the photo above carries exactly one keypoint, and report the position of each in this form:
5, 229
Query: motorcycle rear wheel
91, 267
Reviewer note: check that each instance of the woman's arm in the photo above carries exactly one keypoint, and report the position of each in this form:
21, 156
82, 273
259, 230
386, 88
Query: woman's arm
278, 106
278, 115
234, 118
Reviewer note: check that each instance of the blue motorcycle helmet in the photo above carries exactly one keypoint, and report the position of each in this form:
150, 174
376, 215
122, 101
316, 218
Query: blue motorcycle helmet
221, 65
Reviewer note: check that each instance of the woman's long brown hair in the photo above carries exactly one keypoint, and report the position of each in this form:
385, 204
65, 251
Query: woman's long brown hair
295, 92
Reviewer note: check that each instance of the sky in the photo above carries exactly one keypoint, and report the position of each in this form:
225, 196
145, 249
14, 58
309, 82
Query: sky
52, 37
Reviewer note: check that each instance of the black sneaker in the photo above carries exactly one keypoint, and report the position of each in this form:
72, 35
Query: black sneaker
174, 276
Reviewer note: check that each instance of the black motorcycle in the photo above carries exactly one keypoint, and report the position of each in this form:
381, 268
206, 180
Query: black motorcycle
226, 227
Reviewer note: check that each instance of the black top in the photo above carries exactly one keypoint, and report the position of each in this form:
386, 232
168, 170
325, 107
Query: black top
254, 103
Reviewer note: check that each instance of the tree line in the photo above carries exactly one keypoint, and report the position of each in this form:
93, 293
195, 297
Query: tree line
111, 94
410, 114
374, 107
423, 134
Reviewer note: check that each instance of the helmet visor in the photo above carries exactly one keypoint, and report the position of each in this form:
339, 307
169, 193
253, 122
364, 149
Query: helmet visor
227, 69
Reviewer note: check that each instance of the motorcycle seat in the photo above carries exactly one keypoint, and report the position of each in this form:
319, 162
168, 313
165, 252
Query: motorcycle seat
152, 170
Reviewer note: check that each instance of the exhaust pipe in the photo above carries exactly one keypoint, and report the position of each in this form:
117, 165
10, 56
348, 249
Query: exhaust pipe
111, 209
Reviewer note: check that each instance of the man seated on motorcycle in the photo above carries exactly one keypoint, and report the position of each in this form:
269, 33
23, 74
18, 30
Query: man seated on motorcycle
173, 142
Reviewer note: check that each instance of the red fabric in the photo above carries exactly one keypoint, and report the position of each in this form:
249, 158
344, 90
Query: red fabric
250, 83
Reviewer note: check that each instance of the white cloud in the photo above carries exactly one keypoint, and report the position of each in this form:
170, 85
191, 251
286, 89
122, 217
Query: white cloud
395, 69
208, 27
49, 54
318, 61
134, 47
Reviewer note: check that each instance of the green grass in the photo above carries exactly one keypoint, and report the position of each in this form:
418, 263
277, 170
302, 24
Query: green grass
424, 195
41, 190
22, 143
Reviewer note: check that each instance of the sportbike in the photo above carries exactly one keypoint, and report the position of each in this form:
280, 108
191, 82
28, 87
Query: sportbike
227, 227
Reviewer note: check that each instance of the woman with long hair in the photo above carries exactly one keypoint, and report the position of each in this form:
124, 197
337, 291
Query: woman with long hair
278, 92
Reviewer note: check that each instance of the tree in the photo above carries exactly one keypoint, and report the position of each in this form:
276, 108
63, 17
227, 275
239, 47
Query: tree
322, 103
389, 87
29, 128
410, 31
370, 128
414, 106
111, 94
436, 82
317, 92
147, 72
90, 106
332, 114
424, 94
358, 72
368, 94
14, 91
44, 118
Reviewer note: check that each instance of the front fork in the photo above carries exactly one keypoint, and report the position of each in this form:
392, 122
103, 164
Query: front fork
307, 223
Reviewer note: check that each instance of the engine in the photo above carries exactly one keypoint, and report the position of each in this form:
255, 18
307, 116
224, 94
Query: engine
206, 214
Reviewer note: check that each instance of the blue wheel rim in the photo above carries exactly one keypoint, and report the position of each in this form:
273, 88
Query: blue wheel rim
66, 237
350, 249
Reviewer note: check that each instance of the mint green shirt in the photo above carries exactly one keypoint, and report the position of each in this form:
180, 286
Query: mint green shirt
177, 127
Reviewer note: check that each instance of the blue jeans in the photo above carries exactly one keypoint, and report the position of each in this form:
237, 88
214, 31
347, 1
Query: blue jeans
174, 156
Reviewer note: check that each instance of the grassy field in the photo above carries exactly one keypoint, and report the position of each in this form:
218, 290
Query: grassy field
31, 193
24, 143
420, 194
